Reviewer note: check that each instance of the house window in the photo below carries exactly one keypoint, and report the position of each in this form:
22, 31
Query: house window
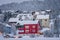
27, 27
21, 30
45, 19
27, 31
33, 26
34, 30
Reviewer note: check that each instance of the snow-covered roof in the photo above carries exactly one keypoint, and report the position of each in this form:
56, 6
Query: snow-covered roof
7, 25
36, 13
28, 22
13, 19
42, 17
22, 15
1, 14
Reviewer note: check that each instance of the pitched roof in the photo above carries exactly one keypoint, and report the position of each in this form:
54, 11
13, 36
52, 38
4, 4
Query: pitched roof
27, 22
42, 17
13, 19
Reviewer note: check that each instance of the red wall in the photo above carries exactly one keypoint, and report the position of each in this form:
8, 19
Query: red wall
31, 29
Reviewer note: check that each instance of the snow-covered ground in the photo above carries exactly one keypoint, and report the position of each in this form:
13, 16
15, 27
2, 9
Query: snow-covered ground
29, 38
26, 38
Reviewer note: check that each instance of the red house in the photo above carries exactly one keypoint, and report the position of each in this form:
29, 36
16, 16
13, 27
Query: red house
29, 27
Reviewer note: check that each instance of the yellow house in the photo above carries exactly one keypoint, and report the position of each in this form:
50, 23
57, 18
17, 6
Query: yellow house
43, 19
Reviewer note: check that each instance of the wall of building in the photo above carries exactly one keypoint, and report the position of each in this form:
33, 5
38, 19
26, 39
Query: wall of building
45, 22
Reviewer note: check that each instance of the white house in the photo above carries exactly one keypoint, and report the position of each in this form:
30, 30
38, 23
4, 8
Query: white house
20, 17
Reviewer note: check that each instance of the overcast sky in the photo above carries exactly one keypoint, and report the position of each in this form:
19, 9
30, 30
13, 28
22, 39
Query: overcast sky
10, 1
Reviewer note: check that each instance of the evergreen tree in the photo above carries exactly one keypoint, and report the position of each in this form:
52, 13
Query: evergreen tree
7, 15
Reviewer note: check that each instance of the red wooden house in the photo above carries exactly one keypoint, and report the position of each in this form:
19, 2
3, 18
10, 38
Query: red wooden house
29, 27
